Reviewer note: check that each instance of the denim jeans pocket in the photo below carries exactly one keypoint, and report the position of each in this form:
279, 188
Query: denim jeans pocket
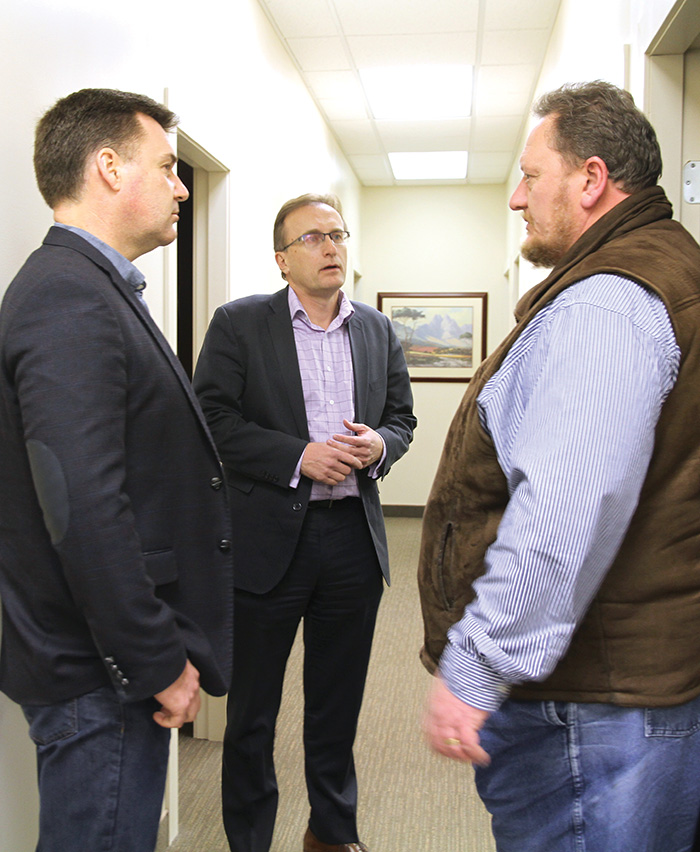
53, 722
680, 721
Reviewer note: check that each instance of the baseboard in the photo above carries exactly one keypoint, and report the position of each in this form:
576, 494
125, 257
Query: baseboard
403, 511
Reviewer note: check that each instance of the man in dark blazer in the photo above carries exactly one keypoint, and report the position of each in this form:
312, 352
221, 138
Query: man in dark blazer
115, 542
309, 401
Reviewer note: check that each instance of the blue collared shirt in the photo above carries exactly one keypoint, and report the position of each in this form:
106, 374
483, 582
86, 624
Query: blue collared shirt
572, 413
124, 267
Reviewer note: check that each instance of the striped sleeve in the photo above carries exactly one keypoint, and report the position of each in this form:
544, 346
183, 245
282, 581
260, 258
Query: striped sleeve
572, 413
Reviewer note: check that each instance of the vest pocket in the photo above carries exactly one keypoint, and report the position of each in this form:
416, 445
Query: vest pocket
443, 577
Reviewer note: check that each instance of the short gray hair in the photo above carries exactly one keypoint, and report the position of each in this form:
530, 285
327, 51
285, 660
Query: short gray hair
600, 120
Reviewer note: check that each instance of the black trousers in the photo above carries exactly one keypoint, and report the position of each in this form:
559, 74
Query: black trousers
335, 584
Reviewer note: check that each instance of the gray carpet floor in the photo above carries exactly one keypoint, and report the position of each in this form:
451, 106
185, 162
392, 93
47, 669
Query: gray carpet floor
411, 800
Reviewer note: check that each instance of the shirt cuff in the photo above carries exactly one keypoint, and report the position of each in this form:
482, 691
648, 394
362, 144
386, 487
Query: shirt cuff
374, 471
471, 679
296, 476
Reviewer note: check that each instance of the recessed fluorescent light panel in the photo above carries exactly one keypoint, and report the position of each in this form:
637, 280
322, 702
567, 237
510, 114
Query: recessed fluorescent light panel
419, 93
429, 165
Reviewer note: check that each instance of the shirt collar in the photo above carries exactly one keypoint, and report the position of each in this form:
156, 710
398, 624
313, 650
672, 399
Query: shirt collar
124, 267
345, 309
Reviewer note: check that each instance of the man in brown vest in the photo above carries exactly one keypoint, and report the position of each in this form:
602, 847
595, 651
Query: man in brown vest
560, 563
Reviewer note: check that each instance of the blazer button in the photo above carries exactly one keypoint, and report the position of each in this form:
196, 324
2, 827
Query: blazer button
297, 507
216, 482
224, 545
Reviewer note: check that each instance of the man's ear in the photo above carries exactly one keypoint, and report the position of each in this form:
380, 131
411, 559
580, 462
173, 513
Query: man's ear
281, 261
109, 165
596, 175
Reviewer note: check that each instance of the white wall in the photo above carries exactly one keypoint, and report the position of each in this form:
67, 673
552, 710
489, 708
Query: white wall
240, 98
226, 75
238, 95
433, 239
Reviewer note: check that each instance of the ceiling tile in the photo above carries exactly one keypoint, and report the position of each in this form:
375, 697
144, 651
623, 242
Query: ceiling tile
369, 180
372, 166
505, 41
514, 47
504, 89
301, 18
343, 108
381, 50
514, 14
489, 167
334, 84
373, 17
506, 103
509, 78
320, 54
496, 133
357, 137
424, 135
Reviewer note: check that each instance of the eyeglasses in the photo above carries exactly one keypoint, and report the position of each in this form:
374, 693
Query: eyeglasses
316, 239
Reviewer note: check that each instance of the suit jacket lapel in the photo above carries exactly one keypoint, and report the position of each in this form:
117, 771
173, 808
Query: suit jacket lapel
282, 337
60, 236
360, 365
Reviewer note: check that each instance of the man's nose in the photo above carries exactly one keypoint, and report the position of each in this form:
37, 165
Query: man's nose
518, 200
181, 191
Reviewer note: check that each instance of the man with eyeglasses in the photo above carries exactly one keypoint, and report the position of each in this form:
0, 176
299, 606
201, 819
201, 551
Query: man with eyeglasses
308, 398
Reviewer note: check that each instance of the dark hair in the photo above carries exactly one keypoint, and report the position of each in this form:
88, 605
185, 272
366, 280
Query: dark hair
78, 126
600, 120
294, 204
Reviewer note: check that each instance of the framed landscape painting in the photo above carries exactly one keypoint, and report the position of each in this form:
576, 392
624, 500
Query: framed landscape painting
443, 335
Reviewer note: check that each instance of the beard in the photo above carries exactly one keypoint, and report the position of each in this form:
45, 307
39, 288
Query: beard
548, 250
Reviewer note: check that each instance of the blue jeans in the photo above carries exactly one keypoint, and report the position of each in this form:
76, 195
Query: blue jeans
101, 768
592, 777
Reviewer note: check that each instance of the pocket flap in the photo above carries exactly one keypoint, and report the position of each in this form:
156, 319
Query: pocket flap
161, 566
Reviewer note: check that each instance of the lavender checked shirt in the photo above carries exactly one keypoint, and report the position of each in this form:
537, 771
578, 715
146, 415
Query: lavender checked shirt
325, 364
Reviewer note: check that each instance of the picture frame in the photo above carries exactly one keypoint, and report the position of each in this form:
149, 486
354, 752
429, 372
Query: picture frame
443, 335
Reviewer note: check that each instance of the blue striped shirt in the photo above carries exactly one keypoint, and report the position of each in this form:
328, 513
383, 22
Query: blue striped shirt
572, 412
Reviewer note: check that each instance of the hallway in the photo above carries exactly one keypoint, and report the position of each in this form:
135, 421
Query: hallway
409, 797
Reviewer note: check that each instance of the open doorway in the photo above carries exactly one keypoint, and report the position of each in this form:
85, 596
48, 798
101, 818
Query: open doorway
198, 281
672, 102
185, 273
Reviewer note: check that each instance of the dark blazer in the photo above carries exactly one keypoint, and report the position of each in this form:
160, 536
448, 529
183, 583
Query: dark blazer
115, 551
249, 385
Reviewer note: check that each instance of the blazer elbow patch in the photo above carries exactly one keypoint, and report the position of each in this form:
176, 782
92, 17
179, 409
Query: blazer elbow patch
51, 489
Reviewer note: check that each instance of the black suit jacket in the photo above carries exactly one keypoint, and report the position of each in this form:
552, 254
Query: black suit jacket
249, 385
115, 553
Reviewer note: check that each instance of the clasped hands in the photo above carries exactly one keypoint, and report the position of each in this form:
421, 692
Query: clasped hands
331, 461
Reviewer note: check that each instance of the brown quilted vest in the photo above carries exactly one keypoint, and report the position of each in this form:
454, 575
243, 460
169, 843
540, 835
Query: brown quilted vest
638, 643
